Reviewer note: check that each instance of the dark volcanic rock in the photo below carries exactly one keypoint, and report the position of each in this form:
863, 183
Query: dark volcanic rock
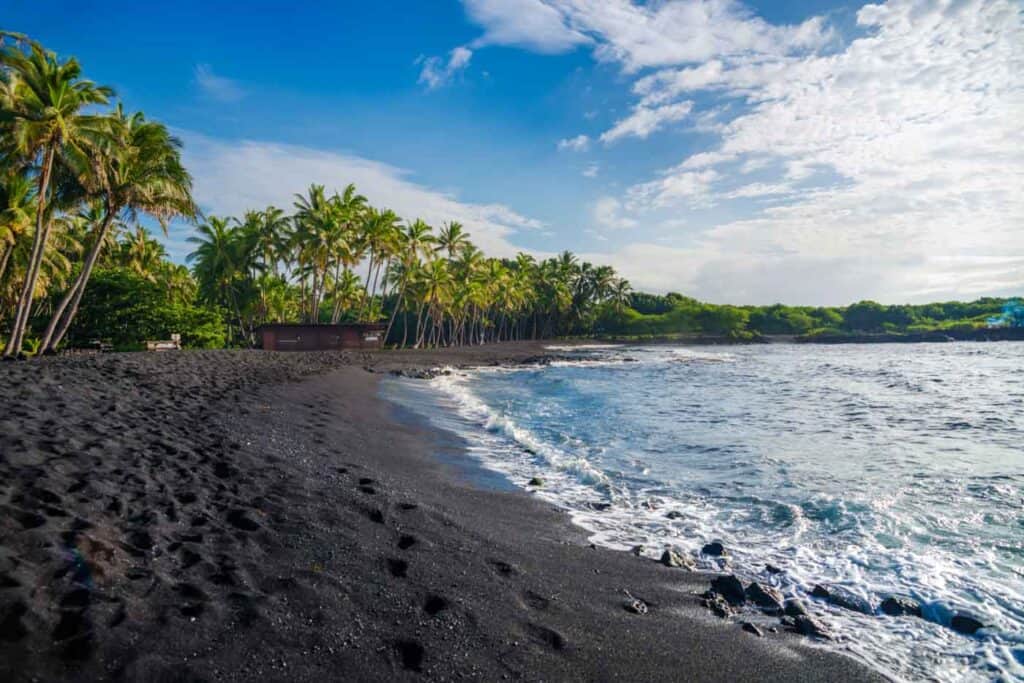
671, 558
840, 597
714, 549
674, 514
717, 604
898, 606
730, 588
765, 597
809, 626
966, 623
535, 481
772, 569
794, 608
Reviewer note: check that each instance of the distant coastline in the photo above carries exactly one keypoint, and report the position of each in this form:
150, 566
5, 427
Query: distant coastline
980, 334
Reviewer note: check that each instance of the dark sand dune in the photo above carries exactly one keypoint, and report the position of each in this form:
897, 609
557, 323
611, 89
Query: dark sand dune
209, 516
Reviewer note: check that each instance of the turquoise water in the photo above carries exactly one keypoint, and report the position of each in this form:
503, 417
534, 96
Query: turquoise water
886, 469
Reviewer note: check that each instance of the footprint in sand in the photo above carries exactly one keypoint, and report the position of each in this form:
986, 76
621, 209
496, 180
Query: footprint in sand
398, 568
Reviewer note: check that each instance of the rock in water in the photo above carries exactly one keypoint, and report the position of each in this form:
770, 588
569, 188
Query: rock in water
730, 588
772, 569
809, 626
820, 592
765, 597
674, 514
898, 606
535, 481
966, 623
670, 558
840, 597
714, 549
794, 608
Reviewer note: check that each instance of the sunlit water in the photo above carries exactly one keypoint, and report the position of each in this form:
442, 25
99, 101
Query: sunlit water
886, 469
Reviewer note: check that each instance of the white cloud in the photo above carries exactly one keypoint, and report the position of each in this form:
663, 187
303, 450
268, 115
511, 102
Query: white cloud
646, 120
608, 213
436, 72
705, 159
217, 87
640, 36
591, 171
532, 24
691, 187
759, 190
232, 177
909, 152
580, 143
754, 164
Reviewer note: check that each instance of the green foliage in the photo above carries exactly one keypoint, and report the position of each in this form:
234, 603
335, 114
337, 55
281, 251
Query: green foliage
126, 309
653, 316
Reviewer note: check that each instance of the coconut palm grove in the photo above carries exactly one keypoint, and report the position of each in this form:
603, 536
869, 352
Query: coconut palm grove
88, 186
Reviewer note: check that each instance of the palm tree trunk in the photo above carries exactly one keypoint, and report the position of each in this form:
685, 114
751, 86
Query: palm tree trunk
36, 259
336, 313
58, 327
398, 305
419, 317
5, 259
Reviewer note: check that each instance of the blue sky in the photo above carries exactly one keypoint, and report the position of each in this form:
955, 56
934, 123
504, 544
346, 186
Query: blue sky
807, 152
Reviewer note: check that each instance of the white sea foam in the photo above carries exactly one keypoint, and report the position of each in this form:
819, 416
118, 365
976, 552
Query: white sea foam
581, 347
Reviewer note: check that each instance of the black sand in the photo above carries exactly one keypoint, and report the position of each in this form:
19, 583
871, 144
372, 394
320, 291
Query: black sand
260, 516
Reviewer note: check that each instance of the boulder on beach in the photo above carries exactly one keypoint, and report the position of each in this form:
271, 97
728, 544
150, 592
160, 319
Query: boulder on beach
809, 626
899, 606
671, 558
717, 604
730, 588
794, 607
714, 549
765, 597
965, 623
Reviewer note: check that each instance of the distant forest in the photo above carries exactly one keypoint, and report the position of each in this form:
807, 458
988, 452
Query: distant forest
650, 315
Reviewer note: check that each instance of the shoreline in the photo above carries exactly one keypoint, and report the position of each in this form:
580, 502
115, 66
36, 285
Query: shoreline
275, 517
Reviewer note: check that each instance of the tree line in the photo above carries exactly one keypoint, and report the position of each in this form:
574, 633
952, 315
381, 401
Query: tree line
76, 180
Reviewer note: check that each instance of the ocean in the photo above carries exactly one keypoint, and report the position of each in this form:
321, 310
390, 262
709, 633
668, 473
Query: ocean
889, 469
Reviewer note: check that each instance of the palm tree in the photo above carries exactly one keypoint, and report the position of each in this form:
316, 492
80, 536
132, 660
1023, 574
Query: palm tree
44, 114
451, 238
138, 170
216, 264
17, 211
143, 255
621, 294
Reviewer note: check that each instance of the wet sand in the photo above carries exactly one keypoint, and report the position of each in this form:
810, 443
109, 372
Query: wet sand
245, 515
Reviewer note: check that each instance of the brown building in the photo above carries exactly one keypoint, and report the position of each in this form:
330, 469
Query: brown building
299, 337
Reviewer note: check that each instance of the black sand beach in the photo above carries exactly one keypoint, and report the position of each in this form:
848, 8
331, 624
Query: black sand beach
245, 515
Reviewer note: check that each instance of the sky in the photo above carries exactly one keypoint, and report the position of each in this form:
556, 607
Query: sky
812, 153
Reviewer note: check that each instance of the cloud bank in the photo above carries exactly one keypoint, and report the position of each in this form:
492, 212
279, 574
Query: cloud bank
231, 177
887, 163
